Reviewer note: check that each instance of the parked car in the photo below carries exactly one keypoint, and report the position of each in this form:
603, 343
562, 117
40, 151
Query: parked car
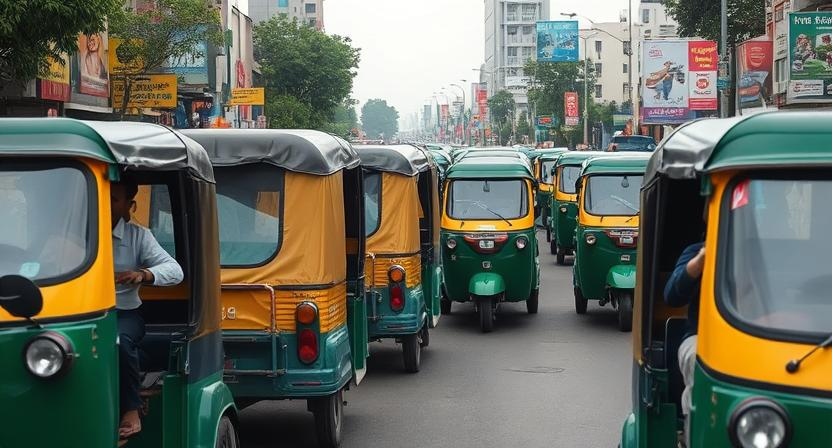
632, 143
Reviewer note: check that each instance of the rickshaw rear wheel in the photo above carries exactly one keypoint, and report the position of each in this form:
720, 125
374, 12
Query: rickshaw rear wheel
561, 256
411, 353
580, 301
226, 434
625, 310
553, 247
532, 302
486, 314
424, 336
328, 419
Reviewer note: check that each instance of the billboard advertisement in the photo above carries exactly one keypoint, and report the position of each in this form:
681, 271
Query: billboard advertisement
754, 63
94, 65
679, 78
482, 101
557, 41
810, 57
54, 84
570, 106
156, 91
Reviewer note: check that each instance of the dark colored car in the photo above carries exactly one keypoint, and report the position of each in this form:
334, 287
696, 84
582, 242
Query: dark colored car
632, 143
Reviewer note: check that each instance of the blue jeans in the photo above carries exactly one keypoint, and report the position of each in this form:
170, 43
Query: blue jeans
130, 334
667, 86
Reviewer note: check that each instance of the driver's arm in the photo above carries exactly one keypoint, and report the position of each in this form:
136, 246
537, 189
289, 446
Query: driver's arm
164, 269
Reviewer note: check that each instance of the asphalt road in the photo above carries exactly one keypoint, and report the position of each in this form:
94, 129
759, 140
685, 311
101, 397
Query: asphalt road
554, 379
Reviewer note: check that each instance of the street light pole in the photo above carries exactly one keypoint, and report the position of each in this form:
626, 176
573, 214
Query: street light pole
586, 92
723, 106
633, 106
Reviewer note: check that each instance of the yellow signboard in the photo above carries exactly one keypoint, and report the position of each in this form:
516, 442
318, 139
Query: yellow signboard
118, 64
157, 91
58, 72
247, 96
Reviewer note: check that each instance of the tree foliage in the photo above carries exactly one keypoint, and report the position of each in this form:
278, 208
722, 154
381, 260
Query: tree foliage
523, 129
378, 119
313, 68
550, 80
501, 105
33, 31
701, 18
344, 121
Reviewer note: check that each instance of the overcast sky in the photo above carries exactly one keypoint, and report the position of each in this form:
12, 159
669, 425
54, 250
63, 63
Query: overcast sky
412, 48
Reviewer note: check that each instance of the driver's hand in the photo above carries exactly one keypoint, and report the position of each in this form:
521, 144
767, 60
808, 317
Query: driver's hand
129, 278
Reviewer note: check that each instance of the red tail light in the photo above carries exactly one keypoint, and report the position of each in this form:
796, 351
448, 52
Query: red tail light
396, 298
627, 239
486, 243
307, 346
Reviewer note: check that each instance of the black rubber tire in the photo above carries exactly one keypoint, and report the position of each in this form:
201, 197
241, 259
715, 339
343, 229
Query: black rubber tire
424, 336
553, 247
625, 310
486, 314
227, 434
329, 414
561, 256
411, 353
445, 306
580, 301
532, 303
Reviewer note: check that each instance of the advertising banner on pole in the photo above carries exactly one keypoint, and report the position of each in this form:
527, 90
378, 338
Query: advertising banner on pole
679, 78
570, 104
247, 96
557, 41
810, 57
482, 101
754, 62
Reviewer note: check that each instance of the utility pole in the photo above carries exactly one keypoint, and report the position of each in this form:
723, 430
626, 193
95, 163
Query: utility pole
723, 52
630, 68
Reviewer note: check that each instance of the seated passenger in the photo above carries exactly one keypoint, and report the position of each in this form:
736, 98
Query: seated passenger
138, 259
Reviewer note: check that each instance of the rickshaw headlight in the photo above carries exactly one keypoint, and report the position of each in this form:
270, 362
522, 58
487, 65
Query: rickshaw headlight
590, 239
451, 243
759, 423
48, 354
521, 243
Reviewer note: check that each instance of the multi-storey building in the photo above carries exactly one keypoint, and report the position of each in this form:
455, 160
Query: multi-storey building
606, 45
310, 12
510, 42
654, 20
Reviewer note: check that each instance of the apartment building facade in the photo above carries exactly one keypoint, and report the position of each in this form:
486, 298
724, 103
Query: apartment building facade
309, 12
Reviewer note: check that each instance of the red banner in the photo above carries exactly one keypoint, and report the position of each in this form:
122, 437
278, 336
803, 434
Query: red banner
570, 106
482, 100
703, 60
754, 58
703, 56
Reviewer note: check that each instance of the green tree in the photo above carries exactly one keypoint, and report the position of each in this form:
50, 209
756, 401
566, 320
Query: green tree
523, 129
701, 18
501, 105
314, 68
165, 36
33, 31
549, 82
379, 119
344, 120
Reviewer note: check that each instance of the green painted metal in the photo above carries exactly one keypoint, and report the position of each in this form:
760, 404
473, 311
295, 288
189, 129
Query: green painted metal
714, 401
490, 168
593, 262
563, 223
35, 412
653, 422
358, 332
486, 284
52, 137
578, 157
519, 268
622, 276
432, 288
383, 322
626, 163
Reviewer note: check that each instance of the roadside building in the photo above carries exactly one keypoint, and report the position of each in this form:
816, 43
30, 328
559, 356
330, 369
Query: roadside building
309, 12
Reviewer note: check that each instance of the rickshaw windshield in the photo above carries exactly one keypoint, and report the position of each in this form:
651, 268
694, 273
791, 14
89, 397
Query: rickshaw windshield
372, 202
488, 199
612, 195
546, 172
569, 174
45, 230
249, 211
776, 273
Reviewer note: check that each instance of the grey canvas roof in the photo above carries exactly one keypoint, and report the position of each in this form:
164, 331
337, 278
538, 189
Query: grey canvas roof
302, 151
407, 160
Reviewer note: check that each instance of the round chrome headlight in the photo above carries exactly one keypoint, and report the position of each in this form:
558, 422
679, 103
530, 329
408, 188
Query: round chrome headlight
451, 243
759, 423
590, 239
48, 354
521, 243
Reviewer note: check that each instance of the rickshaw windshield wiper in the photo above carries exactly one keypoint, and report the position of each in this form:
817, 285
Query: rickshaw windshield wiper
794, 365
485, 207
625, 202
632, 217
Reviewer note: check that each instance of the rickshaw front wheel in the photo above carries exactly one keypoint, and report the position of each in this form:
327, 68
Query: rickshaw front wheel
553, 247
532, 302
580, 301
411, 353
486, 314
226, 434
624, 300
561, 256
328, 413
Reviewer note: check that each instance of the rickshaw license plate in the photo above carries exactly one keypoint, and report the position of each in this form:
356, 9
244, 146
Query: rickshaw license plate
626, 240
486, 244
625, 258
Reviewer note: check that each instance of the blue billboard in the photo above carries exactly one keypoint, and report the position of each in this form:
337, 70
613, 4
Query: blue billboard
557, 41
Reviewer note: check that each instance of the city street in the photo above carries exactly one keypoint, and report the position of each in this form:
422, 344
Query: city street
554, 379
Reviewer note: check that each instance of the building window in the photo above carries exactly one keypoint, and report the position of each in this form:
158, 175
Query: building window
598, 69
626, 68
626, 91
626, 45
282, 3
310, 8
512, 51
313, 22
645, 16
598, 91
598, 47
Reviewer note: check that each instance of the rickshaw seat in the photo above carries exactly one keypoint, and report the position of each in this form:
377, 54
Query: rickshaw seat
675, 329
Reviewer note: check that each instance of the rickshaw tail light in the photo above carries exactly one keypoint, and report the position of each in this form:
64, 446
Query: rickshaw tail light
623, 238
396, 274
486, 243
307, 346
306, 313
396, 298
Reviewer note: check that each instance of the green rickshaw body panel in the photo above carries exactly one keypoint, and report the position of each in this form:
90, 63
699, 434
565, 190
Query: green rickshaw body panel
593, 263
254, 350
387, 323
654, 425
564, 223
486, 284
432, 289
714, 401
622, 276
518, 268
34, 411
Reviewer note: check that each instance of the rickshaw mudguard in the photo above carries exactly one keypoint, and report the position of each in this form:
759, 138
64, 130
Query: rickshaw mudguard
628, 433
622, 276
388, 324
486, 284
209, 400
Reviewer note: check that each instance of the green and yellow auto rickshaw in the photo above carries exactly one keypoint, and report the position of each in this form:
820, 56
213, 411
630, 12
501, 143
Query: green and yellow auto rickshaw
762, 362
489, 250
564, 202
544, 165
607, 234
59, 384
404, 270
291, 218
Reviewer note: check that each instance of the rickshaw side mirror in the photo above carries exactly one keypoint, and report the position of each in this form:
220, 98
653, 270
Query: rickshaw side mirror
20, 297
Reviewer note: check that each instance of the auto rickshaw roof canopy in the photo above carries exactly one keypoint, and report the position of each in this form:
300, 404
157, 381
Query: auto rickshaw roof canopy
298, 150
551, 154
764, 140
407, 160
625, 164
131, 145
578, 157
490, 167
493, 153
